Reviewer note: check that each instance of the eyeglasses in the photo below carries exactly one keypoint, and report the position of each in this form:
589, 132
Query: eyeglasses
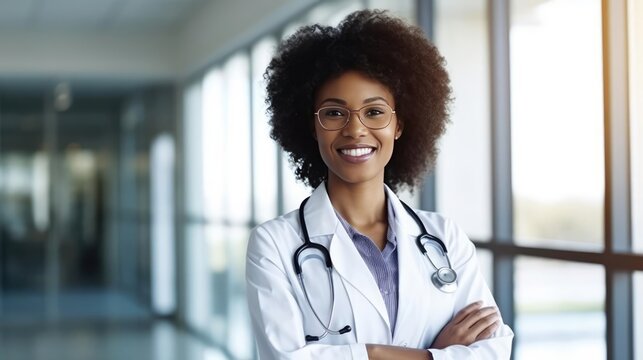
373, 116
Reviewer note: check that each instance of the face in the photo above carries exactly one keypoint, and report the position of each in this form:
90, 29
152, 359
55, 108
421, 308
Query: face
355, 154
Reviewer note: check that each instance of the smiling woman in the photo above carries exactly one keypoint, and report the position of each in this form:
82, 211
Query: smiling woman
318, 53
350, 155
360, 121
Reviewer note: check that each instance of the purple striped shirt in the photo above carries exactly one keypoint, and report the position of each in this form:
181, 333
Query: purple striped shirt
382, 264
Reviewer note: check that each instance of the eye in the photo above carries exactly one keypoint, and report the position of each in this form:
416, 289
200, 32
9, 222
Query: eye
374, 112
334, 113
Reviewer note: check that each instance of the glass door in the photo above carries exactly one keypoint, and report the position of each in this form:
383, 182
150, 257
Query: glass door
57, 253
25, 218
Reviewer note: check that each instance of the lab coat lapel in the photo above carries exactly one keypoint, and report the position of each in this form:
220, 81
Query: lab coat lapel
322, 220
410, 280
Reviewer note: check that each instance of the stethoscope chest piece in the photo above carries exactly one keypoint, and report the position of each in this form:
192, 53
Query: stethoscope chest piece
445, 279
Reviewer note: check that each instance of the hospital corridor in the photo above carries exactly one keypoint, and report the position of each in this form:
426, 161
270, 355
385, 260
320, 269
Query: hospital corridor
136, 158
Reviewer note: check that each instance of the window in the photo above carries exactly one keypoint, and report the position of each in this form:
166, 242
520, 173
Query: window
264, 148
461, 33
635, 39
236, 112
557, 123
559, 309
211, 140
556, 261
193, 154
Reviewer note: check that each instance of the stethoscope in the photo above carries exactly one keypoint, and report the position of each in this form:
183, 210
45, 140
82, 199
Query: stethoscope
444, 278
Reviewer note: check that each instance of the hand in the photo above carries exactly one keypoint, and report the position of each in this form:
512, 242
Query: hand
469, 325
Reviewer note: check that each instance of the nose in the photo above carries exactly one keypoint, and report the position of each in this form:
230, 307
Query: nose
354, 128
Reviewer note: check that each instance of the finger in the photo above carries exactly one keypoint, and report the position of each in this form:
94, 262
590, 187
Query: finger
476, 316
462, 314
484, 322
486, 333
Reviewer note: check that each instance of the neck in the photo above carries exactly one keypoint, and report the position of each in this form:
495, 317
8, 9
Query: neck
360, 204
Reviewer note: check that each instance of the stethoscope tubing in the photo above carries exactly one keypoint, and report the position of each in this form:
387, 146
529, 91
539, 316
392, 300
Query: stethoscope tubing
444, 278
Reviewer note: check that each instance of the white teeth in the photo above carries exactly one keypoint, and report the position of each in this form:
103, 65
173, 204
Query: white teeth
357, 152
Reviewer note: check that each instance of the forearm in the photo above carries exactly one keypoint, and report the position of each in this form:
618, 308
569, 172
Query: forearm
387, 352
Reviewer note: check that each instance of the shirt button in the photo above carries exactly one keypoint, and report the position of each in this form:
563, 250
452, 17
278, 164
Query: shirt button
385, 292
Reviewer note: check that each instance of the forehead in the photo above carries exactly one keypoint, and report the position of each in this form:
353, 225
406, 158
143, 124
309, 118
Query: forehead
353, 88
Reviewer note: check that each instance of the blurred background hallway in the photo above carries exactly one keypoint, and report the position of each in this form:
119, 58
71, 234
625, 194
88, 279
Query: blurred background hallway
135, 158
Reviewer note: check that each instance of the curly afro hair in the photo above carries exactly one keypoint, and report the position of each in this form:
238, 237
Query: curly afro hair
383, 48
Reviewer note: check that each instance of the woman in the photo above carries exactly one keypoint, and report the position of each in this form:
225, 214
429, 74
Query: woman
360, 108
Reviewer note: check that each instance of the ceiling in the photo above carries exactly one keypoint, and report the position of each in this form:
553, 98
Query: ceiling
82, 15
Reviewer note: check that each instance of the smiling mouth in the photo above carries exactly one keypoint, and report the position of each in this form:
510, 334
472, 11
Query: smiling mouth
357, 152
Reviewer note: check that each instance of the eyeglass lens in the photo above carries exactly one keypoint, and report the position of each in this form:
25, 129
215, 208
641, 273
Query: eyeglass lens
372, 116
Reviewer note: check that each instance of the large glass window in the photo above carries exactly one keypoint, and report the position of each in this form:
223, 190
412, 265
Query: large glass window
460, 34
264, 148
211, 140
635, 37
236, 111
559, 310
193, 179
557, 123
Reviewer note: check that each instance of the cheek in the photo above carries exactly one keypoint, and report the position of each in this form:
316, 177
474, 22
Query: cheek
324, 143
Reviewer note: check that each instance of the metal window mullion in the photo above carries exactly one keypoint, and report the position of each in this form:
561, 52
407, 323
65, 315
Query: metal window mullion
426, 21
502, 215
618, 228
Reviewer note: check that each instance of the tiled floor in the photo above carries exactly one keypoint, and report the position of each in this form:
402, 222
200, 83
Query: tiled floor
107, 341
88, 325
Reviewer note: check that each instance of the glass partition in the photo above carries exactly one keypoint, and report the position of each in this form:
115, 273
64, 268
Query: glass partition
463, 174
557, 123
635, 39
264, 149
559, 310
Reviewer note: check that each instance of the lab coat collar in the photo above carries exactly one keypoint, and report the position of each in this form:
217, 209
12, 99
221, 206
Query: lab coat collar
319, 210
326, 222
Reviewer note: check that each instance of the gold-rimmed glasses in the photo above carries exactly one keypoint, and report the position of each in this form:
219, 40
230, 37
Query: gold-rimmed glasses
373, 116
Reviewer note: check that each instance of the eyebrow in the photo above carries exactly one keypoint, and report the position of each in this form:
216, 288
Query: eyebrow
343, 102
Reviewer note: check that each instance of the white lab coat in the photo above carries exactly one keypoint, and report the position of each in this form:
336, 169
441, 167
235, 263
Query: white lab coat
281, 317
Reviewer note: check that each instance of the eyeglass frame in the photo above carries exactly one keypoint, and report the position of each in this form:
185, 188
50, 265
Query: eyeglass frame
348, 118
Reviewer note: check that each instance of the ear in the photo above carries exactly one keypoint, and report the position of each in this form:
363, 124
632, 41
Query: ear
398, 130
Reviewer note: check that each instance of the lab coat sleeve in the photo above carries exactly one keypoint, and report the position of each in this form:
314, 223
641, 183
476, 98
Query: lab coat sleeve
275, 314
472, 287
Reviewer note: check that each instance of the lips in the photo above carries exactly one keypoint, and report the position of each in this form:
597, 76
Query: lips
357, 153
